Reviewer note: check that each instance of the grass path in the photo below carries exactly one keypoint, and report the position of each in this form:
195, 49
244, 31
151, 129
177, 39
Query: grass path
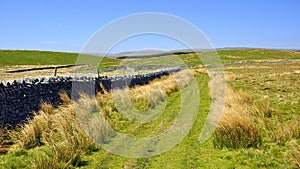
176, 157
189, 153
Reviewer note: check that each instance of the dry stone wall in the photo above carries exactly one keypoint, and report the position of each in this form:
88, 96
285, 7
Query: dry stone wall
18, 99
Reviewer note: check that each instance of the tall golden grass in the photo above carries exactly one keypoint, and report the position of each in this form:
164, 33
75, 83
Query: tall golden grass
57, 129
246, 123
294, 154
143, 97
5, 141
281, 131
2, 134
148, 96
236, 129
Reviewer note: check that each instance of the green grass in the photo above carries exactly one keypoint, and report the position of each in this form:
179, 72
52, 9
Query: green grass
31, 57
191, 59
172, 60
28, 57
178, 155
108, 63
17, 159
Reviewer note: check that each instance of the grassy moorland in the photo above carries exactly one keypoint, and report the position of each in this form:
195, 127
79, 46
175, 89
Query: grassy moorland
257, 55
260, 127
227, 56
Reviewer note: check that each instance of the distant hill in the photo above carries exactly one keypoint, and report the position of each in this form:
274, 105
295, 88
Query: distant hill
158, 53
155, 53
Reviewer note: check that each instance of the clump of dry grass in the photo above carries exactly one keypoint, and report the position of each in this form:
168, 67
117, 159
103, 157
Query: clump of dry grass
294, 153
135, 103
143, 97
105, 103
91, 117
295, 128
30, 135
296, 157
246, 122
282, 131
60, 131
3, 130
5, 141
236, 128
278, 131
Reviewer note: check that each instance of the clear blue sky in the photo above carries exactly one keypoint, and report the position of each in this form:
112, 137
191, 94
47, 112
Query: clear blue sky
65, 25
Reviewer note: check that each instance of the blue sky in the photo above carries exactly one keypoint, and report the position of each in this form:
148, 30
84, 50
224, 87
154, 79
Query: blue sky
66, 25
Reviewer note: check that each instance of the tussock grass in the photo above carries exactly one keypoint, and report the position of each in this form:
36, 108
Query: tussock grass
3, 131
147, 96
280, 131
88, 114
30, 135
294, 154
236, 128
60, 131
158, 89
295, 128
5, 141
246, 123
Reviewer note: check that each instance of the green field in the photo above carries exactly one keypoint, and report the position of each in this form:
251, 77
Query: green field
39, 58
27, 57
269, 94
